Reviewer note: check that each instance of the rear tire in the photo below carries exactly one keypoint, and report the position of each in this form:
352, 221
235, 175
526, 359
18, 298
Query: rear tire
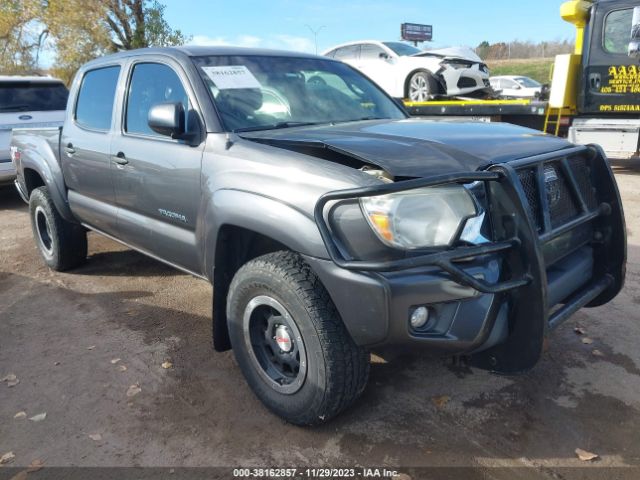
421, 86
62, 244
290, 342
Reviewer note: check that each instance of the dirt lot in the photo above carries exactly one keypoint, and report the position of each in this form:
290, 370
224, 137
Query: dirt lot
61, 334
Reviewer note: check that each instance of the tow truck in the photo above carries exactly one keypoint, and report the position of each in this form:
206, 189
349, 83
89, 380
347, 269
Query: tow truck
595, 91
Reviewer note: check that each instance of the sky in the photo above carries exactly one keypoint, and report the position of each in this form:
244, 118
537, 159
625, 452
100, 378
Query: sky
287, 24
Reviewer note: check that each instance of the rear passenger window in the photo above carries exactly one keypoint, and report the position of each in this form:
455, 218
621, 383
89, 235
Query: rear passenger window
94, 106
152, 84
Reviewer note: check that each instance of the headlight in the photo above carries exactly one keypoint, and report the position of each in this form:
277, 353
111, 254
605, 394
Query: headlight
420, 218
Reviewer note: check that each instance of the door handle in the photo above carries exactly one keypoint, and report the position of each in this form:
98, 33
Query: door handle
69, 149
120, 158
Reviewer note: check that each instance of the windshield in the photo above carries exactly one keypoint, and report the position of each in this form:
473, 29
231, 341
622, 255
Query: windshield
32, 96
528, 82
402, 49
264, 92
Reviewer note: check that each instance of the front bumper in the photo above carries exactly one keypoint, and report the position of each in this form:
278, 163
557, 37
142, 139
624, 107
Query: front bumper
497, 300
7, 172
462, 81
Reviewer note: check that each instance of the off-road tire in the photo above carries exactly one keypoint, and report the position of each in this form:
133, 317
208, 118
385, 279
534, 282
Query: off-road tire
337, 369
62, 244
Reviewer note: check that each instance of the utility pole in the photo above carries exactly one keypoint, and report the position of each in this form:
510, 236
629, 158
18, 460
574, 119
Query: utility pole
315, 35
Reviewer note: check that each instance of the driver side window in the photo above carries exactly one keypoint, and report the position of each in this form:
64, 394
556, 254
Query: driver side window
371, 52
151, 84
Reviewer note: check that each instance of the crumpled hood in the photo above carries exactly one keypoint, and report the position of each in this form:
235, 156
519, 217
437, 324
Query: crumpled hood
464, 53
417, 148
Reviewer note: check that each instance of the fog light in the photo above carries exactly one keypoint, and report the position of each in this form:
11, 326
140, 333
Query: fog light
419, 317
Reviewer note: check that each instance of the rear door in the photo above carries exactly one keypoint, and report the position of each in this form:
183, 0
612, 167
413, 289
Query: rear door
86, 146
157, 179
611, 78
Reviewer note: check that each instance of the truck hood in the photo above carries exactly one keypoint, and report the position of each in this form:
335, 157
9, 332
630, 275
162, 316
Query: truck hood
412, 147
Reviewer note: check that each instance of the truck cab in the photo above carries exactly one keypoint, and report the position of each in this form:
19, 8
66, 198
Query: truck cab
607, 104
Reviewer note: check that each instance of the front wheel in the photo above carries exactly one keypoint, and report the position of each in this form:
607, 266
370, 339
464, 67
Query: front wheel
290, 342
63, 245
421, 86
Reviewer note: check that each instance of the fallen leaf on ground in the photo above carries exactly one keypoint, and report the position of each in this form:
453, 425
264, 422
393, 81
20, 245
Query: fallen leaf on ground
133, 390
440, 401
91, 347
115, 360
20, 415
6, 458
597, 353
22, 475
586, 456
587, 341
579, 331
35, 465
11, 380
96, 437
167, 364
39, 417
122, 368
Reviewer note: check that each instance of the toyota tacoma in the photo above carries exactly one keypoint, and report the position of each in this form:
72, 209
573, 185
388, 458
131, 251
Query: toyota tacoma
329, 222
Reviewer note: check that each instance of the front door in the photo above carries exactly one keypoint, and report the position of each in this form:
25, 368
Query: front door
157, 179
378, 65
611, 77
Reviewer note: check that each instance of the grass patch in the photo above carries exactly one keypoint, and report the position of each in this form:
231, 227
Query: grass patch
536, 68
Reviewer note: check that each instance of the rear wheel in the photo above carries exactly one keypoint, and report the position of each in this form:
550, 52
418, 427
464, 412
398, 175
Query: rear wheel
421, 86
290, 342
63, 245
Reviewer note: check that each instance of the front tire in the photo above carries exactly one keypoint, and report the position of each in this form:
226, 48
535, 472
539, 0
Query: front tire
290, 342
421, 86
62, 244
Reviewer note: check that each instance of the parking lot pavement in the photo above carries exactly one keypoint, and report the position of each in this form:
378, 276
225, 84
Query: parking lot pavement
62, 335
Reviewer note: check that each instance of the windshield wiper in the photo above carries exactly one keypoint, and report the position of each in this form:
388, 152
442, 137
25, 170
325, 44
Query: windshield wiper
361, 119
16, 108
275, 126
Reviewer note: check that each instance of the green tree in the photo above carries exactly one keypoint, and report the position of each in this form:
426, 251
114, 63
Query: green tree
483, 49
22, 35
79, 30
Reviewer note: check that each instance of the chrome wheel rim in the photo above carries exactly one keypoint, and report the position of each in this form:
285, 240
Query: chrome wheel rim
419, 88
275, 344
45, 239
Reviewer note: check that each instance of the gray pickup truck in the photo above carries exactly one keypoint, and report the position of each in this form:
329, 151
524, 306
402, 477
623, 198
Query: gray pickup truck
329, 223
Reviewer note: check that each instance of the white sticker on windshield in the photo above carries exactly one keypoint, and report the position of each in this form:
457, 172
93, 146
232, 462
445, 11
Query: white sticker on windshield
232, 76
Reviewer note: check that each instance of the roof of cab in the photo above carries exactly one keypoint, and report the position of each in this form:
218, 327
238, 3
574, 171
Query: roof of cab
201, 51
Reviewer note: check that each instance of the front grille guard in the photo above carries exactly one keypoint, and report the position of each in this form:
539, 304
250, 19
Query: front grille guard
445, 259
442, 259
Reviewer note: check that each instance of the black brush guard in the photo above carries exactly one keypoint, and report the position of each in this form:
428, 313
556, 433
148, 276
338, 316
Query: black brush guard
522, 244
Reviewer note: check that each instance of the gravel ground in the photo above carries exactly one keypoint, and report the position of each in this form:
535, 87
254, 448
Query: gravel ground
61, 335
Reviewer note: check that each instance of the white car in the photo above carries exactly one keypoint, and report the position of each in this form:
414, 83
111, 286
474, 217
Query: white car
404, 71
27, 102
516, 86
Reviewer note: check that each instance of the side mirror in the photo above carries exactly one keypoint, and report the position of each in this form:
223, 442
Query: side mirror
634, 44
517, 87
169, 119
383, 56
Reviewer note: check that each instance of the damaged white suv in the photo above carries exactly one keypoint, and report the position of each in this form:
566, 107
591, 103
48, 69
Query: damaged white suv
407, 72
